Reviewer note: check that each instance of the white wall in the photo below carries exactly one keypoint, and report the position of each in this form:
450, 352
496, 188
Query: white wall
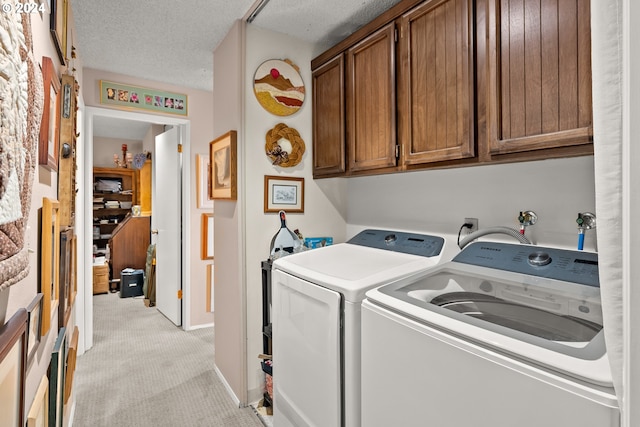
105, 148
324, 210
438, 200
229, 305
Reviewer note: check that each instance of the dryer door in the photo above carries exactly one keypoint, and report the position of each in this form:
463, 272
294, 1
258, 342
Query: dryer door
306, 353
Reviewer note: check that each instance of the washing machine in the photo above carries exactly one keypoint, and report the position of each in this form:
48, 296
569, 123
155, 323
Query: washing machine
316, 303
503, 335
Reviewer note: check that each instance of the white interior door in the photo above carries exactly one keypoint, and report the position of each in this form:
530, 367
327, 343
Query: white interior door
166, 219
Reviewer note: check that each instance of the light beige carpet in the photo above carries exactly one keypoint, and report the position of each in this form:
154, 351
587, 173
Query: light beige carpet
144, 371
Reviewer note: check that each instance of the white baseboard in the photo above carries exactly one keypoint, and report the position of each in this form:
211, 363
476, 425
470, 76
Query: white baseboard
194, 327
227, 386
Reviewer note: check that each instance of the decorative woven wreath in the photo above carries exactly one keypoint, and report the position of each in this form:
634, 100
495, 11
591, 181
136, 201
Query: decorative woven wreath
284, 146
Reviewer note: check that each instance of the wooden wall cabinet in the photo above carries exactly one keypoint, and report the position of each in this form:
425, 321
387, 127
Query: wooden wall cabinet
538, 74
371, 101
329, 118
436, 87
465, 83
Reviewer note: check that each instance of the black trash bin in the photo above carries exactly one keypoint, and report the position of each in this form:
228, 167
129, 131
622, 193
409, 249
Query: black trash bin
131, 282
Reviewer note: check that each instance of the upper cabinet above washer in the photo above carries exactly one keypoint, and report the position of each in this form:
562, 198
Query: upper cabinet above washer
539, 74
436, 82
450, 83
371, 101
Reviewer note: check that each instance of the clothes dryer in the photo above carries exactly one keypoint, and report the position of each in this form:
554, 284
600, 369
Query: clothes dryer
316, 303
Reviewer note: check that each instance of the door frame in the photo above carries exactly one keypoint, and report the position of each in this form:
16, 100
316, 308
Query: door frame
84, 305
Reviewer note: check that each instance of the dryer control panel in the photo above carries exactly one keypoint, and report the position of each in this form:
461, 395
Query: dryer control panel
398, 241
552, 263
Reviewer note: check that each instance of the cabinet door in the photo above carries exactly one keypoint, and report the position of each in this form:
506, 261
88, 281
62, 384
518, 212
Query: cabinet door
436, 82
539, 74
328, 118
371, 101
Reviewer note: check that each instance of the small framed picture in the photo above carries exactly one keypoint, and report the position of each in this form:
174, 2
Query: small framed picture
283, 193
203, 180
13, 340
57, 380
39, 411
223, 164
34, 325
207, 236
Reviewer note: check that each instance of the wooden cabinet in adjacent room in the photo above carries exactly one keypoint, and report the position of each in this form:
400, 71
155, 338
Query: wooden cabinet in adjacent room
129, 243
538, 82
436, 86
143, 185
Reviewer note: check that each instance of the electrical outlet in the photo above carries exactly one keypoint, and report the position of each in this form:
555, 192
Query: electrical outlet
473, 222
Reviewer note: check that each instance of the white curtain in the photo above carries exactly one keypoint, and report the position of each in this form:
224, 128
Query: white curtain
607, 66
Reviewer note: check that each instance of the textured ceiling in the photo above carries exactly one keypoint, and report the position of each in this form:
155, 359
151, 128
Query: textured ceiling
173, 41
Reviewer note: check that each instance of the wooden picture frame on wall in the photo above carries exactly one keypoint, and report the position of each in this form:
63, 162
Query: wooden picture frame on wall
223, 164
49, 141
39, 412
207, 236
71, 364
13, 361
209, 290
58, 28
56, 379
34, 326
203, 182
283, 193
65, 277
49, 260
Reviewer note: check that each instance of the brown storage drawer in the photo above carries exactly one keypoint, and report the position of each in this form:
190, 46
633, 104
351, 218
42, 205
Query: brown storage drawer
100, 279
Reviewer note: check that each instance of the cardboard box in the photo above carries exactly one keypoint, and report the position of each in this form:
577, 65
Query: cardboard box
317, 242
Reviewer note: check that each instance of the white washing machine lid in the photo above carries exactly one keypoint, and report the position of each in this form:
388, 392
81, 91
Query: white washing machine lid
540, 320
352, 269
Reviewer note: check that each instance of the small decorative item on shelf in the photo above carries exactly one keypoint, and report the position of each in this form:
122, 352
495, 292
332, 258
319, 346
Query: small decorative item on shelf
284, 146
127, 158
138, 160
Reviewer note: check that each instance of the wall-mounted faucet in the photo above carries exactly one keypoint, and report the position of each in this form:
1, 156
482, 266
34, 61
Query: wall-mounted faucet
526, 218
585, 221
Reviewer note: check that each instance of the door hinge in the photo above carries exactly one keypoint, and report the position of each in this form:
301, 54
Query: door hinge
179, 148
180, 294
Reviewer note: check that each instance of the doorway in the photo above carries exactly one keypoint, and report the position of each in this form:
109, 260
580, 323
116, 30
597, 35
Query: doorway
94, 117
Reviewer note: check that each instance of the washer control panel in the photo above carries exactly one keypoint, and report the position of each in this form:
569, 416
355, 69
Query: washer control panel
552, 263
398, 241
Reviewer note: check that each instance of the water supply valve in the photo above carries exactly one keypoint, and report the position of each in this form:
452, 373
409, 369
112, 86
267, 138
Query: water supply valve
585, 221
526, 218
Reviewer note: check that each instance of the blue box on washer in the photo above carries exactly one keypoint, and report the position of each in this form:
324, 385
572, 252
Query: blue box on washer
131, 282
